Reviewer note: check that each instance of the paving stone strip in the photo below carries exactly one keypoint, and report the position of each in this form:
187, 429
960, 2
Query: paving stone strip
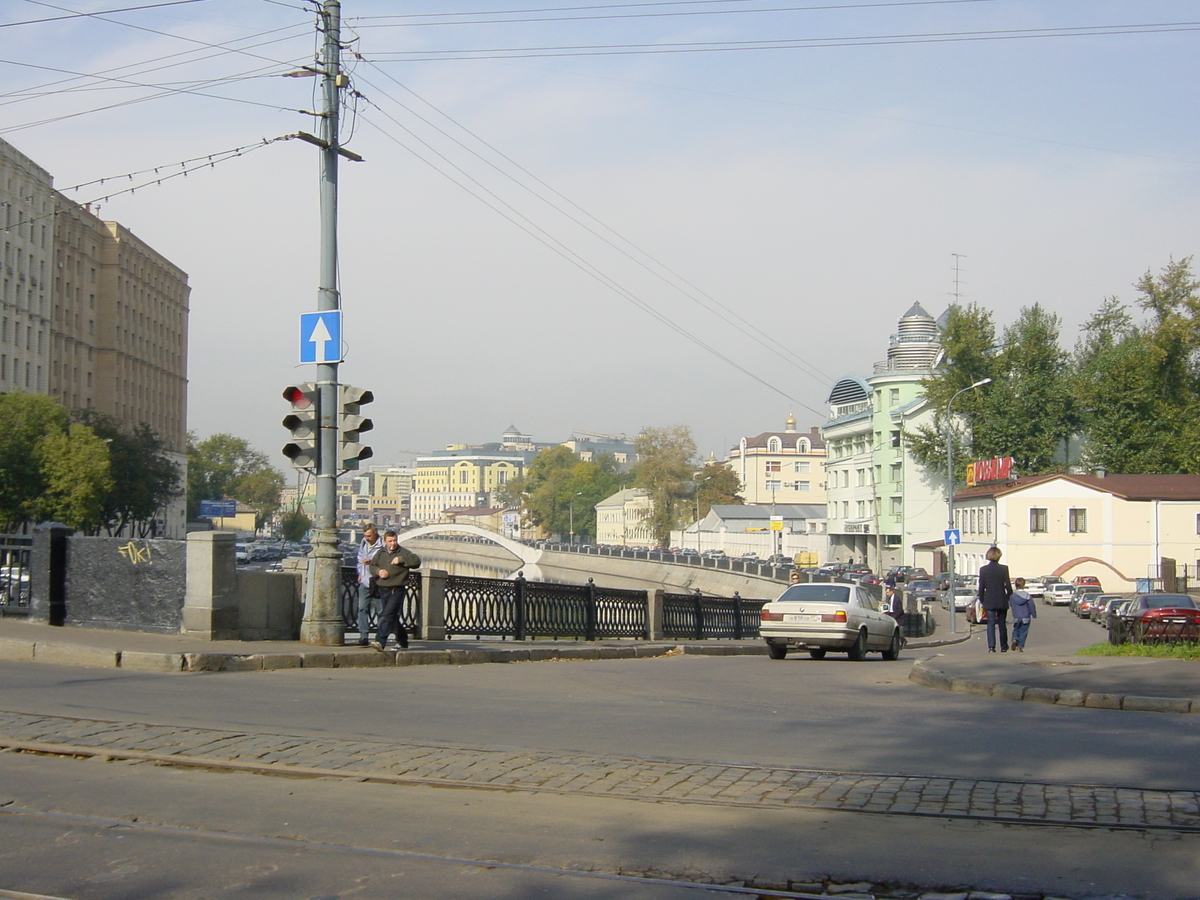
718, 784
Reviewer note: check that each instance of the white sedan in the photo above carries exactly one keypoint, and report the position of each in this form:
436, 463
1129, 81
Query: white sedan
963, 598
822, 617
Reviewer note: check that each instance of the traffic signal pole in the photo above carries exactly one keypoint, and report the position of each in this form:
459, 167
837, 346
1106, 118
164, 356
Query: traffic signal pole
322, 623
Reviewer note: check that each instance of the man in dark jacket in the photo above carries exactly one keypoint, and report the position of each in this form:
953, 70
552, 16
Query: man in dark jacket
390, 566
994, 591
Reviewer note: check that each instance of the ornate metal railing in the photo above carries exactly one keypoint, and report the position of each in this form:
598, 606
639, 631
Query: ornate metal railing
696, 617
483, 607
410, 608
15, 585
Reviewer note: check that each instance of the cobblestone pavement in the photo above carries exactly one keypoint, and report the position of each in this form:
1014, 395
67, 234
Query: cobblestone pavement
624, 777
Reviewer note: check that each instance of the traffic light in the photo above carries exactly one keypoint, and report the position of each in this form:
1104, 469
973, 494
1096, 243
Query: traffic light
350, 424
303, 423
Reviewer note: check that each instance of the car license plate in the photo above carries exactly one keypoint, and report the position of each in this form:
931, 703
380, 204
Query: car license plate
801, 617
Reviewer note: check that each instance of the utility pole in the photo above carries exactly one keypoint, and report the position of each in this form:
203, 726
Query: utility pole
322, 622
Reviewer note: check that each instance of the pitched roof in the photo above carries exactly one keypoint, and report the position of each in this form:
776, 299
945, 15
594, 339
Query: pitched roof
1127, 487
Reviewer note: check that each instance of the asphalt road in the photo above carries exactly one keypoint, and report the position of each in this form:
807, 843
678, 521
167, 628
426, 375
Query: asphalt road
273, 837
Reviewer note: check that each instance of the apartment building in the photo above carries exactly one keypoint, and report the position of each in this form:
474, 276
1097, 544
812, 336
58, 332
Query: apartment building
781, 466
91, 315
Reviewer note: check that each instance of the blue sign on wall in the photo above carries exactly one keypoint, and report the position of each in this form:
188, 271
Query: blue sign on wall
218, 509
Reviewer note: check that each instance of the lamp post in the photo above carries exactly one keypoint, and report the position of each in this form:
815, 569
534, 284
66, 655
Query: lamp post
572, 508
950, 498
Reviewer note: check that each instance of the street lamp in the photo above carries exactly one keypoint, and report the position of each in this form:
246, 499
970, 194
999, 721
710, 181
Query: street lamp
572, 508
950, 497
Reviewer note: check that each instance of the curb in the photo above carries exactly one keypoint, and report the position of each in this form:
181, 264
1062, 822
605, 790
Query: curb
923, 674
345, 657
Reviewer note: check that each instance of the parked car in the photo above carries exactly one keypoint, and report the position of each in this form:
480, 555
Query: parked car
1102, 605
1086, 579
1081, 603
1058, 594
1156, 617
963, 598
822, 617
922, 588
1035, 587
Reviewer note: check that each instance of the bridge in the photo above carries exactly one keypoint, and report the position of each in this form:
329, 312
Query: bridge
528, 556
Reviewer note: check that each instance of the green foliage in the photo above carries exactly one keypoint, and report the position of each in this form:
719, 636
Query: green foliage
1138, 387
665, 471
558, 489
294, 525
74, 467
144, 478
227, 467
25, 421
717, 485
1158, 651
1026, 412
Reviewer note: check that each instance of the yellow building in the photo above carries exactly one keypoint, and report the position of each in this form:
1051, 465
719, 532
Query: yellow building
781, 466
1119, 528
461, 478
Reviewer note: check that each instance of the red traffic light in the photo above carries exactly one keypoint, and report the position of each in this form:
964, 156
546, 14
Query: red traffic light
300, 396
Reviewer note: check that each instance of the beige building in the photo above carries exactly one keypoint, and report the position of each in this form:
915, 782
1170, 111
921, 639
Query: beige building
781, 466
92, 315
1120, 528
621, 520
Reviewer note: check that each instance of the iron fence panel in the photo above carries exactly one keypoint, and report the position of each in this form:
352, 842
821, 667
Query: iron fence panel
410, 607
15, 583
557, 611
621, 613
696, 617
480, 606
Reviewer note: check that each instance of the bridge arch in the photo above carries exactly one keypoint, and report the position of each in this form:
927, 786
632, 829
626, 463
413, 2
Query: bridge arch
526, 554
1080, 560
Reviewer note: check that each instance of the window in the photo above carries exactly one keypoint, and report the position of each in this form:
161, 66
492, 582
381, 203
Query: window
774, 445
897, 506
893, 396
898, 474
803, 485
1038, 519
805, 467
895, 438
773, 465
861, 476
1077, 521
773, 485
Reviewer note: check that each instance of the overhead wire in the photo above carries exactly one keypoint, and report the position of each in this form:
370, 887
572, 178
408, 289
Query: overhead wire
619, 242
779, 43
503, 208
83, 15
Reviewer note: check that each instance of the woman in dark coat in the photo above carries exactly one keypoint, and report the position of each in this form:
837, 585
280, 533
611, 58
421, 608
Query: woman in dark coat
994, 591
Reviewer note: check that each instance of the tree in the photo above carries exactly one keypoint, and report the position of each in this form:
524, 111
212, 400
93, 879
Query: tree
1027, 410
294, 525
559, 491
144, 477
77, 482
666, 463
717, 484
227, 467
25, 421
1138, 386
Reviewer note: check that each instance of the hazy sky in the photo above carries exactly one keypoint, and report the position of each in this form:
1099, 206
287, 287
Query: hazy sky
557, 229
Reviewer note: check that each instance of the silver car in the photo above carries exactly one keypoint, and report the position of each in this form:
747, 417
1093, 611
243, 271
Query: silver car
822, 617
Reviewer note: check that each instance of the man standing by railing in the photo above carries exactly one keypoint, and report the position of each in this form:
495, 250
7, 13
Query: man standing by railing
367, 548
390, 567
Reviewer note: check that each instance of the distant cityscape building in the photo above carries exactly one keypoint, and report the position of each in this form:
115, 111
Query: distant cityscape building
881, 503
91, 314
622, 519
781, 466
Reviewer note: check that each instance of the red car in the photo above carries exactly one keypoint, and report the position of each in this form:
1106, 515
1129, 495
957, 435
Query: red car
1156, 618
1085, 579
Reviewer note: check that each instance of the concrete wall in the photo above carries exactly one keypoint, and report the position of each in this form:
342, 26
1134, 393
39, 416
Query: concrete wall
134, 585
269, 606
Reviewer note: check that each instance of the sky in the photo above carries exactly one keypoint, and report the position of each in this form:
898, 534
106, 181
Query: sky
615, 215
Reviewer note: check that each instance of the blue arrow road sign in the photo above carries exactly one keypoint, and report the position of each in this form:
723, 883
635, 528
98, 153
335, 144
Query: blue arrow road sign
321, 336
953, 536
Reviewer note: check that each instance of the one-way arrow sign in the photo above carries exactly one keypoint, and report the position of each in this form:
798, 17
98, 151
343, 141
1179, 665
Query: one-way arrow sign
321, 336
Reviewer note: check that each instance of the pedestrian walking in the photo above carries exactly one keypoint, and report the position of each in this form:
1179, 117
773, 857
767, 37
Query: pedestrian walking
994, 590
368, 593
390, 567
1023, 609
893, 605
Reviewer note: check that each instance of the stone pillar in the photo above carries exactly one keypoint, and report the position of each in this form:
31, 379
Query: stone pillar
433, 605
48, 574
654, 615
210, 606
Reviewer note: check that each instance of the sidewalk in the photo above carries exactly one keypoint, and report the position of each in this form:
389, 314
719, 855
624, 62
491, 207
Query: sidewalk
34, 642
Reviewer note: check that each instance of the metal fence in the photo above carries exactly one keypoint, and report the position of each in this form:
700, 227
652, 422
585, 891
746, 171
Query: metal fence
15, 586
696, 617
522, 610
410, 608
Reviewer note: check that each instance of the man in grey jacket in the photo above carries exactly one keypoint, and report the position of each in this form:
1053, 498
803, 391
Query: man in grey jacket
390, 567
367, 548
